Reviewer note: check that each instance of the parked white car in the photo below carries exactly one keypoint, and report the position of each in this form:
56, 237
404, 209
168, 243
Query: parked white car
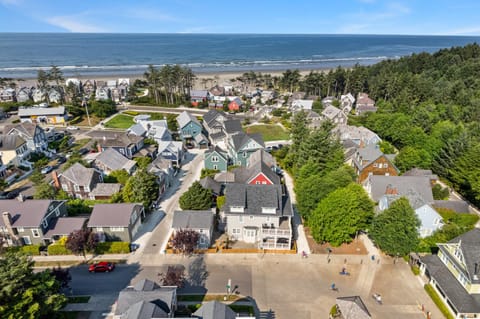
72, 128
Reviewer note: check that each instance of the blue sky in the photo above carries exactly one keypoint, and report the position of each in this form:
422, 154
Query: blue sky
435, 17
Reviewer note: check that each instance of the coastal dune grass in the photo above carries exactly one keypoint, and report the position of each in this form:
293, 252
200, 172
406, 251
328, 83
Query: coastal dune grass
121, 121
270, 132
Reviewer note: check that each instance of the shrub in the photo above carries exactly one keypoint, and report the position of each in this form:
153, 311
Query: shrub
436, 299
415, 270
16, 121
132, 113
113, 247
56, 249
32, 250
334, 311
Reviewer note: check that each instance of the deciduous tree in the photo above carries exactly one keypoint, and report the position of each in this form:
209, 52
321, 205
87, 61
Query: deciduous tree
341, 214
185, 241
395, 230
174, 276
81, 241
141, 188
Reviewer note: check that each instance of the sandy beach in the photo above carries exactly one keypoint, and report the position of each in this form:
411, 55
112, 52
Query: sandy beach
202, 81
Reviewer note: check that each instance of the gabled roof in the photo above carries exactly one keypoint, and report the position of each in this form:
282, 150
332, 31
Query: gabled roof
241, 139
79, 174
64, 226
261, 156
210, 183
184, 118
358, 134
28, 213
352, 308
303, 104
27, 129
105, 189
421, 172
214, 310
10, 142
401, 185
112, 215
42, 111
114, 160
212, 115
331, 112
217, 150
137, 129
232, 126
192, 219
469, 243
145, 300
254, 168
254, 197
199, 93
456, 293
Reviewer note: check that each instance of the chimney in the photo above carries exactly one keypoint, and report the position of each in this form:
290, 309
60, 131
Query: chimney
7, 220
391, 190
56, 181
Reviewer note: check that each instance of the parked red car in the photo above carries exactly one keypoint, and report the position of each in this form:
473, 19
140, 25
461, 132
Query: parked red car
102, 266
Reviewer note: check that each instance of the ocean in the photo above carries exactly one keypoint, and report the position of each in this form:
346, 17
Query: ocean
83, 55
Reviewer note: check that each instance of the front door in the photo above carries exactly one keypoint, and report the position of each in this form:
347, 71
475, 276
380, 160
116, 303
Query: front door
250, 235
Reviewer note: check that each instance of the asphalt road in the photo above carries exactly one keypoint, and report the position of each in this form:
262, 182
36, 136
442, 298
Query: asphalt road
86, 283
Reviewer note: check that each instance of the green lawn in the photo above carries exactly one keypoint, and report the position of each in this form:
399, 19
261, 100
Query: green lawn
270, 132
120, 121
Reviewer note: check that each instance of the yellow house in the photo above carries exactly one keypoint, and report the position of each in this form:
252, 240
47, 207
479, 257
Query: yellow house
455, 274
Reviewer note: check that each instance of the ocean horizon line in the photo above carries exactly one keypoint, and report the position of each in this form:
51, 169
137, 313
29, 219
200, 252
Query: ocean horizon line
248, 33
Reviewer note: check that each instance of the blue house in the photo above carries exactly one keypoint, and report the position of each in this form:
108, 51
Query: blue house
217, 159
241, 146
191, 130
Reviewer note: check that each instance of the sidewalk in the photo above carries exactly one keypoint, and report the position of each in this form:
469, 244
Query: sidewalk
87, 258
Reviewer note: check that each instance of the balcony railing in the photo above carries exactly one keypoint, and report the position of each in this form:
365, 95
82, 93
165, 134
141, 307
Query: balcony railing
274, 246
276, 232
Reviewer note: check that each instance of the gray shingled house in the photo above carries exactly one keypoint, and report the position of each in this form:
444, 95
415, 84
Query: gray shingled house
258, 214
116, 222
214, 310
200, 221
111, 160
28, 222
146, 300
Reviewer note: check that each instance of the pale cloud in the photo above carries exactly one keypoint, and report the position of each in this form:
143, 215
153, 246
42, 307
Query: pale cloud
372, 19
196, 30
473, 30
72, 24
149, 14
11, 2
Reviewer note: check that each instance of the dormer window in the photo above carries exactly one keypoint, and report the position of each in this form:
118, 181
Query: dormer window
237, 209
269, 210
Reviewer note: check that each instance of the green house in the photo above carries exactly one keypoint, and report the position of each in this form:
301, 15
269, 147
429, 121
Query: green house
216, 158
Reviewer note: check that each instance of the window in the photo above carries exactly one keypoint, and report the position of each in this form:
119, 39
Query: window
245, 154
76, 187
251, 217
45, 223
380, 165
236, 230
214, 158
375, 165
240, 219
65, 187
20, 229
26, 240
116, 229
87, 188
35, 232
57, 213
264, 182
201, 231
385, 165
202, 240
215, 167
257, 182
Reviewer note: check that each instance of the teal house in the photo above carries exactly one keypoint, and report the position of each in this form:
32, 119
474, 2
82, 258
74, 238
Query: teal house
217, 159
241, 146
191, 130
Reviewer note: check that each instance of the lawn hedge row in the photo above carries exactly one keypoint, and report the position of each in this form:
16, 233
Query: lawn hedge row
58, 250
32, 250
113, 247
436, 299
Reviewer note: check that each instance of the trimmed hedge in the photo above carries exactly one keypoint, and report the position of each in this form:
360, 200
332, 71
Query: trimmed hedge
113, 247
56, 249
32, 250
132, 113
436, 299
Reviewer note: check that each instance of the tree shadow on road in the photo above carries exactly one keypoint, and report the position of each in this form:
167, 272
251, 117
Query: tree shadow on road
197, 276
